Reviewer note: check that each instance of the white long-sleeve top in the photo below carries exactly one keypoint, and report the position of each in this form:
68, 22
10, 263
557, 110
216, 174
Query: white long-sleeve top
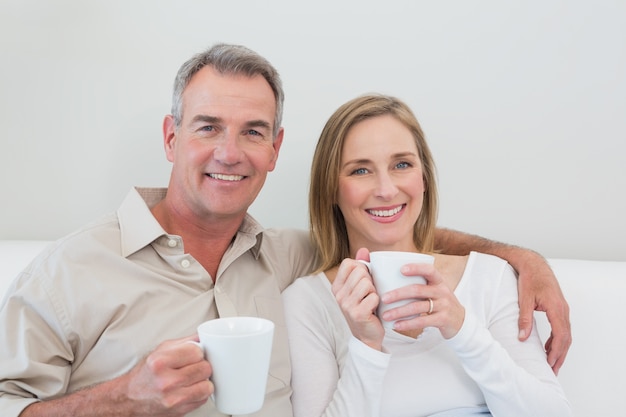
483, 369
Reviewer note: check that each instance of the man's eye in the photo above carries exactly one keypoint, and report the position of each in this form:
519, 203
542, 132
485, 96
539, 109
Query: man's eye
253, 132
207, 128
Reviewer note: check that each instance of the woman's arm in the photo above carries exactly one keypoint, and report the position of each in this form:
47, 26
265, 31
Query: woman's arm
512, 375
537, 285
333, 373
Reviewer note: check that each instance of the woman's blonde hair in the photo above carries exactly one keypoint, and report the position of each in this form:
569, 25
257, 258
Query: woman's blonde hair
327, 225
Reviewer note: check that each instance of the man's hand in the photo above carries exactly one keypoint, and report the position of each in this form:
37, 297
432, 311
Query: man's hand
539, 290
171, 381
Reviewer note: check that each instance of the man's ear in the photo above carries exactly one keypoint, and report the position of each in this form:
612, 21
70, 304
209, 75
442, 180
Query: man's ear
169, 136
278, 141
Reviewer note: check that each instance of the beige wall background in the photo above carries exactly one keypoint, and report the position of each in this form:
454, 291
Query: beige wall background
523, 103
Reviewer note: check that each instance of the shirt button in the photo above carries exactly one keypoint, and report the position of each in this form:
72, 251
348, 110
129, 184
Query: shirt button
185, 263
172, 243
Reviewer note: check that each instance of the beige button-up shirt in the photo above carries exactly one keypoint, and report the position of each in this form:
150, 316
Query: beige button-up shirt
97, 301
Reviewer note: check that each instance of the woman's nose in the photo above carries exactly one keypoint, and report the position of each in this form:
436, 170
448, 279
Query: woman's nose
386, 187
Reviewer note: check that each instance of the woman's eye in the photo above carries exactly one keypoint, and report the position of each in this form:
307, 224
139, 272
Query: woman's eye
403, 165
359, 171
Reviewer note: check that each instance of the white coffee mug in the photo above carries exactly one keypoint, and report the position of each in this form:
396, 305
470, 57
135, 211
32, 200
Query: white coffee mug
239, 350
385, 269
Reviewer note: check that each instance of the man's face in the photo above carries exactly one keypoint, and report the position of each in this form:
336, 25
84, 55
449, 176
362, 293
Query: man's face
223, 148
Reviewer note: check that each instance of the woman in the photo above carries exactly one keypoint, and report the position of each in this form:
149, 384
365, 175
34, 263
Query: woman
373, 188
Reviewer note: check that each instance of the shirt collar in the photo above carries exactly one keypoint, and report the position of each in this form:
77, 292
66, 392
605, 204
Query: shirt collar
139, 228
253, 230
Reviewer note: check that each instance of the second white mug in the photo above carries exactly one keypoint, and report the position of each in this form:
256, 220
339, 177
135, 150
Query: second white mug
385, 269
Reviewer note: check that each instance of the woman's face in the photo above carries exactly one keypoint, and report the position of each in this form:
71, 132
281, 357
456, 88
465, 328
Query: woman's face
381, 186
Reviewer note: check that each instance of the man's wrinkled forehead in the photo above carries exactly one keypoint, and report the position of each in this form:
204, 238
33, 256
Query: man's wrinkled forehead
210, 93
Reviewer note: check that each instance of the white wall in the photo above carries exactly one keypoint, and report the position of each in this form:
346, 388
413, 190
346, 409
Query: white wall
523, 103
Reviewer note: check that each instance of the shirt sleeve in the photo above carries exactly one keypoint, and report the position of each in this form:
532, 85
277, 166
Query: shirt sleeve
514, 376
333, 373
34, 358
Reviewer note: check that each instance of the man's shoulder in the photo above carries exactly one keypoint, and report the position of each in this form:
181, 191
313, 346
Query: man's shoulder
296, 236
97, 241
98, 235
288, 243
289, 251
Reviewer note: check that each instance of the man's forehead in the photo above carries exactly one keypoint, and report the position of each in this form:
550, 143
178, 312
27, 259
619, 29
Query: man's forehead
209, 80
229, 96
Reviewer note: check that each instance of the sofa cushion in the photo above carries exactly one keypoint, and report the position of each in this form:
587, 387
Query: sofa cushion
595, 367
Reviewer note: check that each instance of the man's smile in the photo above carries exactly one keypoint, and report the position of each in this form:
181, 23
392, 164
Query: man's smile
226, 177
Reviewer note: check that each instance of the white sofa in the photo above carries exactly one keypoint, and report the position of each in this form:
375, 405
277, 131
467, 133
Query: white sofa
595, 370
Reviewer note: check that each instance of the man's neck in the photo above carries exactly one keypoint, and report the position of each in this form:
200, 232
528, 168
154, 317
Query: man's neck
205, 239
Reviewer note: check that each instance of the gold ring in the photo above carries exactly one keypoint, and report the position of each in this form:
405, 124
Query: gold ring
430, 309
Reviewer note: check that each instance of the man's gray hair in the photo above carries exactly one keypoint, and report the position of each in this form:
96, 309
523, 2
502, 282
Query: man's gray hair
228, 60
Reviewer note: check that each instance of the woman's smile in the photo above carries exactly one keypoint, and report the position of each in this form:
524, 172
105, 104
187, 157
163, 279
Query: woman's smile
386, 214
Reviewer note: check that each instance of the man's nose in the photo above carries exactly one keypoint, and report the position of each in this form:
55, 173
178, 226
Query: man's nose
228, 149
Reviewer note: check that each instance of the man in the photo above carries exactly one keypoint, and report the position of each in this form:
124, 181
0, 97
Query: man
98, 324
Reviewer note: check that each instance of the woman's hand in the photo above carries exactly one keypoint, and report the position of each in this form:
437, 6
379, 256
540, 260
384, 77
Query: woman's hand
437, 306
355, 293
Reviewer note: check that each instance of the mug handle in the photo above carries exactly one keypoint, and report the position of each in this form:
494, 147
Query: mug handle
367, 265
193, 342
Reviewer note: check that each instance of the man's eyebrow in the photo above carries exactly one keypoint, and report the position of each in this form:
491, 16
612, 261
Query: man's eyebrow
258, 123
205, 118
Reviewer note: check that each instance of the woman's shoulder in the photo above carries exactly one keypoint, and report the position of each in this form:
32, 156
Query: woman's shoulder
310, 299
490, 265
307, 286
481, 269
488, 274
